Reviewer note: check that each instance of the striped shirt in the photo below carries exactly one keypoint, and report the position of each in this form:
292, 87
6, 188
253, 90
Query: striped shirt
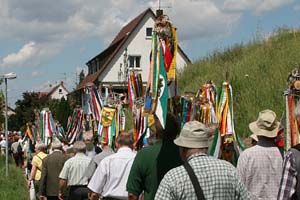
260, 168
289, 177
217, 178
74, 170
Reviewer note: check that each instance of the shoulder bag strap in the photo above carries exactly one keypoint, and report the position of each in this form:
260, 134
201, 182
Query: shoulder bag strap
195, 182
41, 160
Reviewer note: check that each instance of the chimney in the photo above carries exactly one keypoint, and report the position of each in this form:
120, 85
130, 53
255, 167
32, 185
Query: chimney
159, 13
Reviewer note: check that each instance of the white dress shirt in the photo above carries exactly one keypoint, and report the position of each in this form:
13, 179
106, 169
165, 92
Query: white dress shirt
111, 175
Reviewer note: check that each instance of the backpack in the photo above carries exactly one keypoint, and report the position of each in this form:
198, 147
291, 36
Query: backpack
19, 148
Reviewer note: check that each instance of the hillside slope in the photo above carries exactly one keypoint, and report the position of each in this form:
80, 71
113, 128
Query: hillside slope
257, 72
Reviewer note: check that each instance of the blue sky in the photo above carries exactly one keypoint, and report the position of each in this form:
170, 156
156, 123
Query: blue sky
45, 42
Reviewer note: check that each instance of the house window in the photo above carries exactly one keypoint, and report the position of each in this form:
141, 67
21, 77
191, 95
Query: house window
134, 61
60, 91
148, 32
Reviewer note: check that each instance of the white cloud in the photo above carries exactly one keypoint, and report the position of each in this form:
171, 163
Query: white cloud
32, 54
52, 26
202, 20
24, 54
256, 6
296, 7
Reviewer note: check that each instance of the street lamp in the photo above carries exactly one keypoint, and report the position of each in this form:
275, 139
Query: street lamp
10, 75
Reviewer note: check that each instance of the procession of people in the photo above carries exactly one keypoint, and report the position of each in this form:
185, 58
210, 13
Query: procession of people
175, 165
177, 147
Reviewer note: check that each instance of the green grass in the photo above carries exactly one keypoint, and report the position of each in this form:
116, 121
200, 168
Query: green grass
14, 186
257, 72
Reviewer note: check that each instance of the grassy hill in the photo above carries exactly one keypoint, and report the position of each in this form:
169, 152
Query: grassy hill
257, 72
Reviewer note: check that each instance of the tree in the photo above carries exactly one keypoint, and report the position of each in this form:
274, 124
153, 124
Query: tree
25, 110
61, 110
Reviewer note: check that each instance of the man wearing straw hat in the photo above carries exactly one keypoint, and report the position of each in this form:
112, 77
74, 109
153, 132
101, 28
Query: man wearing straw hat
201, 176
260, 166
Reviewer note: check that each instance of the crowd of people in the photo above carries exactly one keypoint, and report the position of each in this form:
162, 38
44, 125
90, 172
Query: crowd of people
175, 165
16, 147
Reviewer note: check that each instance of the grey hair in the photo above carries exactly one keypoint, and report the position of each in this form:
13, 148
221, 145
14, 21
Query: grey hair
79, 146
88, 135
56, 145
296, 111
40, 146
125, 138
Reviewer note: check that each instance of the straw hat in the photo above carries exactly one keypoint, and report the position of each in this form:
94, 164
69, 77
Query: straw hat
193, 135
254, 137
265, 125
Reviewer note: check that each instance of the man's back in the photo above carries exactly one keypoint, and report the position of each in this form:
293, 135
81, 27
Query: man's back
74, 170
218, 180
52, 166
150, 165
111, 175
260, 168
96, 160
14, 147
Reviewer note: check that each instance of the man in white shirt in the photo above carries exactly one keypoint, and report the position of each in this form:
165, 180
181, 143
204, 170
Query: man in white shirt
110, 177
73, 174
3, 146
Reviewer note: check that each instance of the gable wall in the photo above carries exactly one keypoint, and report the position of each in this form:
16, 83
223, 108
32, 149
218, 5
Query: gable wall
56, 95
137, 44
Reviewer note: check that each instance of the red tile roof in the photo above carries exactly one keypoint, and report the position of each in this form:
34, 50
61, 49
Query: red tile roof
108, 54
126, 30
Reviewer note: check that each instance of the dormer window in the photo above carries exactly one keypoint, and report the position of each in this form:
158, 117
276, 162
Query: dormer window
148, 32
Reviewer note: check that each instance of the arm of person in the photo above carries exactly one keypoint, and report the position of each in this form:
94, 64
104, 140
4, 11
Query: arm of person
99, 178
91, 169
288, 179
241, 191
32, 175
135, 185
132, 196
63, 178
62, 185
93, 195
242, 168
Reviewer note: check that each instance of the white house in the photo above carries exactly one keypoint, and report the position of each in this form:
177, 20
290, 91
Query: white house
131, 47
58, 91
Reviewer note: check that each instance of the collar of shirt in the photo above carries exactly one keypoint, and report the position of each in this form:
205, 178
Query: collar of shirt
107, 150
124, 149
79, 154
196, 155
266, 143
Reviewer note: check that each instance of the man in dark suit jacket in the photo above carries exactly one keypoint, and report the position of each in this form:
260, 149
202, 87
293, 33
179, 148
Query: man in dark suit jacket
51, 168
